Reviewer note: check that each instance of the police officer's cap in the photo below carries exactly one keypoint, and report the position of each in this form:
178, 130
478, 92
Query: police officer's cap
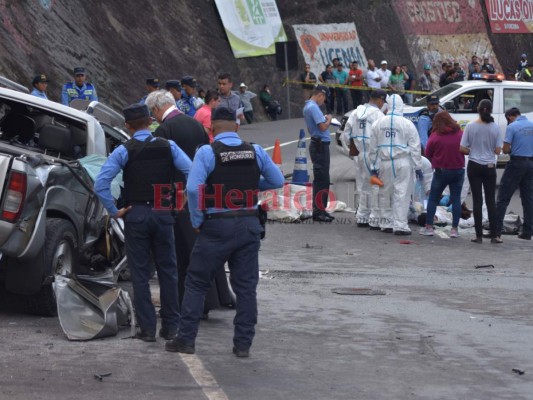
432, 99
40, 79
323, 89
152, 82
79, 71
223, 114
189, 81
136, 111
379, 94
173, 84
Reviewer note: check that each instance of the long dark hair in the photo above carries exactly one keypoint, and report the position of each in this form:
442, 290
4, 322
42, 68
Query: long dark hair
485, 109
443, 123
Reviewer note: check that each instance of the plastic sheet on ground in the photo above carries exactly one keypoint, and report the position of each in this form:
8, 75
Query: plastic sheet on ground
293, 203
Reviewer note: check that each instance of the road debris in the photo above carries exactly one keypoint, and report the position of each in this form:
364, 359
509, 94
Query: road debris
100, 377
358, 291
519, 371
307, 246
484, 266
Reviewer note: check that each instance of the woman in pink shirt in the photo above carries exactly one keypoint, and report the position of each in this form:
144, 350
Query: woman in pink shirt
203, 114
449, 164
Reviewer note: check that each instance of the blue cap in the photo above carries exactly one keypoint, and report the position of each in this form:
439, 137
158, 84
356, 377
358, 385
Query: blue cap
322, 89
223, 114
432, 99
174, 83
40, 79
189, 81
152, 82
427, 66
79, 71
136, 111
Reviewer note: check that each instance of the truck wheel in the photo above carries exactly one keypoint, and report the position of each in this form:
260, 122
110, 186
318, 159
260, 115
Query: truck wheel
61, 258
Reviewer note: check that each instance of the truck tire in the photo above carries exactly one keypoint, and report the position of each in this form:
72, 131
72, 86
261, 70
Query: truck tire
60, 257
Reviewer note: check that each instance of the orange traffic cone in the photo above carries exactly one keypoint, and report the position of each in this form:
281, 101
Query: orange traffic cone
276, 154
374, 180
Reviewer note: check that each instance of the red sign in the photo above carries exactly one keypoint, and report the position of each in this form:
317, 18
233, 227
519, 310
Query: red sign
421, 17
510, 16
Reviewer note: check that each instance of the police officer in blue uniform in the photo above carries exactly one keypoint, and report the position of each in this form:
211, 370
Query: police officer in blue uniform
78, 89
146, 161
152, 84
318, 128
187, 102
425, 122
222, 193
40, 83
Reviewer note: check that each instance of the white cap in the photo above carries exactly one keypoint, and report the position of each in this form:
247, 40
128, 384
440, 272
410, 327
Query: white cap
242, 85
383, 62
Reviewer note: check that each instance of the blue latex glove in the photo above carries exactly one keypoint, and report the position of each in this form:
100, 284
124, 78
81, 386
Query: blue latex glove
449, 209
444, 201
419, 175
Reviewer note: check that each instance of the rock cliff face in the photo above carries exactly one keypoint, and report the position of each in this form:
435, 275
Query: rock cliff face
122, 43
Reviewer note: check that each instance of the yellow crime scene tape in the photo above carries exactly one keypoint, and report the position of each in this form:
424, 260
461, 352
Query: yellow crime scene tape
363, 88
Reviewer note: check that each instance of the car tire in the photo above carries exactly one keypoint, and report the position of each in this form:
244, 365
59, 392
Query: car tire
61, 255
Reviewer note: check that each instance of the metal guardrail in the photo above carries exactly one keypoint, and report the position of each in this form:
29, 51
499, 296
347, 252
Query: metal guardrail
7, 83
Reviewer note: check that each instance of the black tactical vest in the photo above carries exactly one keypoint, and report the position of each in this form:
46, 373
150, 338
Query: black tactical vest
149, 163
235, 179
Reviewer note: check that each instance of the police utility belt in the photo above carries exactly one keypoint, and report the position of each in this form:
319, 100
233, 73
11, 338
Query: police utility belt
232, 214
521, 158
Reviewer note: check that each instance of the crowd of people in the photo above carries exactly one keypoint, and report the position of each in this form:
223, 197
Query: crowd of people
189, 97
195, 149
340, 79
190, 244
387, 152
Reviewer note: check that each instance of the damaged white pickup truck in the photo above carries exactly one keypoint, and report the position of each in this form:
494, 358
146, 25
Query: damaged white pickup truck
50, 220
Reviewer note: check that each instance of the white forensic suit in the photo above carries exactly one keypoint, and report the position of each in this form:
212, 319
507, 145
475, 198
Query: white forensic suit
427, 171
359, 128
394, 150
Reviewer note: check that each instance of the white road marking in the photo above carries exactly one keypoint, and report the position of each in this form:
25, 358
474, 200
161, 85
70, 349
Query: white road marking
203, 377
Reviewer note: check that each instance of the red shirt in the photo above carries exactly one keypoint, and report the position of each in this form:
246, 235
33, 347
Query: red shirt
358, 73
443, 150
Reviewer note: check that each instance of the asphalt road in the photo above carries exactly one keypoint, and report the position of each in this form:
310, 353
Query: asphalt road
443, 329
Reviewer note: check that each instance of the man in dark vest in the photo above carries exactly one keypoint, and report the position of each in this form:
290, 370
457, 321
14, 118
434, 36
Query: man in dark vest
146, 161
188, 134
222, 193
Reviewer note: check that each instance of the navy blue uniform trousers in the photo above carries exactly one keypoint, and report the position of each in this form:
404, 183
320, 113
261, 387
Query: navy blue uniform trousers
320, 157
237, 241
151, 232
